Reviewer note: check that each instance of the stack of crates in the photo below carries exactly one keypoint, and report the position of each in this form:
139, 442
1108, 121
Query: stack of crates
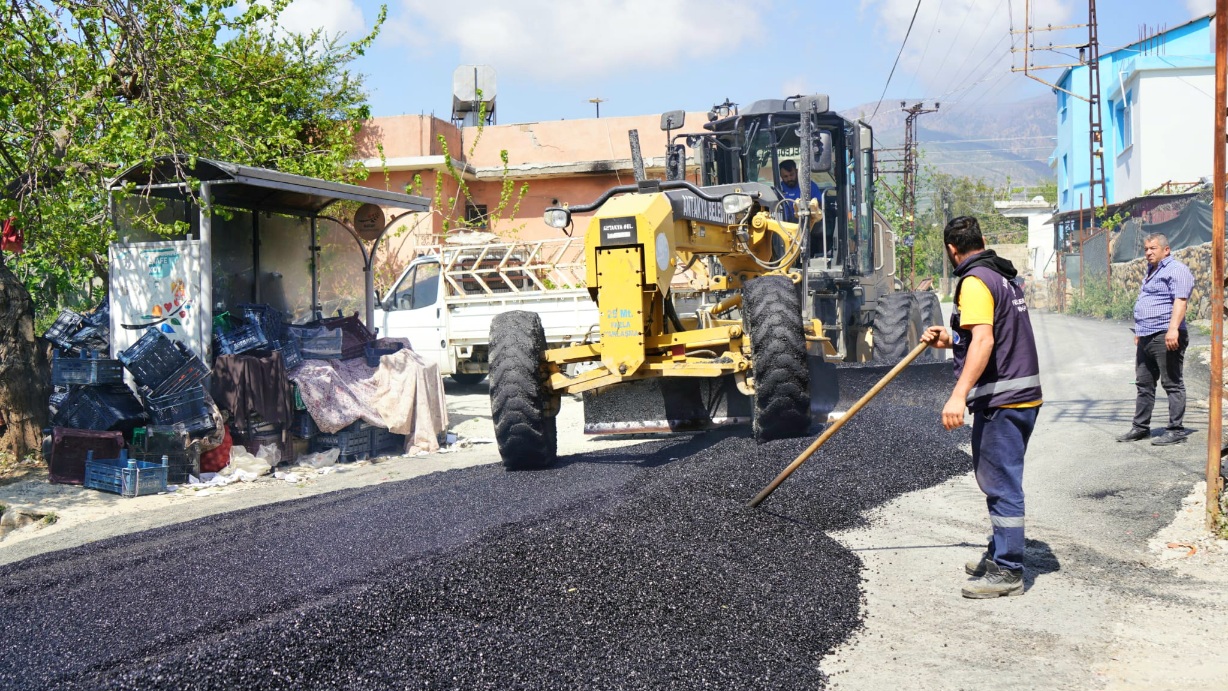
171, 379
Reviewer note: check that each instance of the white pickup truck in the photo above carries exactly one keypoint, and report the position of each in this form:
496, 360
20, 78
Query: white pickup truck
445, 300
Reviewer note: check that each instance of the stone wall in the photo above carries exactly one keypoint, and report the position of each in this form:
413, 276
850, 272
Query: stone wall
1198, 258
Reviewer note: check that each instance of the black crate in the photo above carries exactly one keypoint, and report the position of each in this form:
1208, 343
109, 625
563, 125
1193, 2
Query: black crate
378, 349
181, 452
385, 443
92, 338
241, 339
186, 408
154, 358
59, 394
304, 425
354, 442
270, 319
100, 316
85, 370
61, 332
107, 407
191, 374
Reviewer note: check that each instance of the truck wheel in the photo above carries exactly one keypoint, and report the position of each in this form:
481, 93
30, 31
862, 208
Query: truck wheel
897, 327
519, 395
773, 317
468, 378
931, 315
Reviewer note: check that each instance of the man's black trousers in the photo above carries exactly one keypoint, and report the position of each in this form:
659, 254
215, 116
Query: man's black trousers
1153, 362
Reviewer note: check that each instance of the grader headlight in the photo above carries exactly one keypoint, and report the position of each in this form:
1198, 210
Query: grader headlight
557, 217
735, 204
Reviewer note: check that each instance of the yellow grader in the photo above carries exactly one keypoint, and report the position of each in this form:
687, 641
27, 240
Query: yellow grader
773, 288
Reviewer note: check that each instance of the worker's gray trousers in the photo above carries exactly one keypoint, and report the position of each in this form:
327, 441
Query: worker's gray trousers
1154, 361
999, 442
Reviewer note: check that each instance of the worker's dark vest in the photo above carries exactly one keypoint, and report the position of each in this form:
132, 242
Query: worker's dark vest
1013, 372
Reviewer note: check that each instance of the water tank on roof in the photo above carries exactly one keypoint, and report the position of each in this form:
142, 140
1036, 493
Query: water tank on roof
473, 86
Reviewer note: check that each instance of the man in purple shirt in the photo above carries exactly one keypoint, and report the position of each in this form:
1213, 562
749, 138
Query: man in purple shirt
1160, 339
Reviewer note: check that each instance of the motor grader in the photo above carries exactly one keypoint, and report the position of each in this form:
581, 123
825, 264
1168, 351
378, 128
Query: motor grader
722, 302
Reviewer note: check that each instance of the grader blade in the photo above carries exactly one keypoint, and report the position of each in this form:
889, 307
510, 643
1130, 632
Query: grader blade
824, 389
665, 405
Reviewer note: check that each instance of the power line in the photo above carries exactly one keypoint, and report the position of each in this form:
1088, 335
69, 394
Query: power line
897, 58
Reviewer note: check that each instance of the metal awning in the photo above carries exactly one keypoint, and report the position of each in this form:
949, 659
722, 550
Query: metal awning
257, 189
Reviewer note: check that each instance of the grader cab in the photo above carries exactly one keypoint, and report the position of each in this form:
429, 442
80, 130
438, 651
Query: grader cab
772, 286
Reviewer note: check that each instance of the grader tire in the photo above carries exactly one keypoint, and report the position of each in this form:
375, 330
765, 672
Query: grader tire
931, 315
897, 327
519, 398
773, 318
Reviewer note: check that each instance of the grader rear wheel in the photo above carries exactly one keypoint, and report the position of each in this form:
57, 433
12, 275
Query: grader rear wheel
897, 327
773, 318
519, 397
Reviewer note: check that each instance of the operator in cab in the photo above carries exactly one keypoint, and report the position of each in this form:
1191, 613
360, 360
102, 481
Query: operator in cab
792, 191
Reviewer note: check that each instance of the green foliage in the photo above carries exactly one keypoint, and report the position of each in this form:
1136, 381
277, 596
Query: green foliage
91, 87
1103, 301
1109, 222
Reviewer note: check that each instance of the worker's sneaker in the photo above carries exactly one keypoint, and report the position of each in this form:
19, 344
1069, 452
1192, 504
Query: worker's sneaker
996, 582
1170, 436
977, 568
1135, 434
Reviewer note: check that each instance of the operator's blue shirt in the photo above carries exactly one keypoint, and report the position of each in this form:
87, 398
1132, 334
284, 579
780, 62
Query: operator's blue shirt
795, 193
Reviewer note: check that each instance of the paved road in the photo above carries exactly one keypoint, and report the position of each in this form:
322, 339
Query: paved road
1100, 610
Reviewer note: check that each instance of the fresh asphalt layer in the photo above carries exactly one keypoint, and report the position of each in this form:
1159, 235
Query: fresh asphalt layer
634, 568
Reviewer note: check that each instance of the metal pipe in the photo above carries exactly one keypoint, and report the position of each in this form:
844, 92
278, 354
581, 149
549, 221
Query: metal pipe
315, 277
256, 257
204, 329
1215, 424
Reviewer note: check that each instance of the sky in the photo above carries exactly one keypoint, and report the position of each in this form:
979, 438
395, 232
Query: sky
640, 57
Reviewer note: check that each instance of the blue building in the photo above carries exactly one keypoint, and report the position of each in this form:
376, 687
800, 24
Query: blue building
1153, 93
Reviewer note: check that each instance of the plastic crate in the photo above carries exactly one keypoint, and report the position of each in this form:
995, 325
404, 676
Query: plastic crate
154, 358
241, 339
100, 316
182, 453
62, 330
107, 407
70, 447
378, 349
305, 426
85, 370
186, 408
354, 442
270, 319
291, 356
318, 343
355, 335
125, 476
385, 443
59, 394
191, 374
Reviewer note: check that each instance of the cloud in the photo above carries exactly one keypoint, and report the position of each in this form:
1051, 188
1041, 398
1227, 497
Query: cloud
965, 51
1200, 8
333, 16
580, 38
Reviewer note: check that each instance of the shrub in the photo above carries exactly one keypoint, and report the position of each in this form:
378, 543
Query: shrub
1101, 300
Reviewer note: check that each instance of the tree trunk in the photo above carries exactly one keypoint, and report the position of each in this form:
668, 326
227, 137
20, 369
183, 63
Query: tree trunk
24, 372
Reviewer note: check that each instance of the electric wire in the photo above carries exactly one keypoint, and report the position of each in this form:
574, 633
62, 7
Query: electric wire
897, 59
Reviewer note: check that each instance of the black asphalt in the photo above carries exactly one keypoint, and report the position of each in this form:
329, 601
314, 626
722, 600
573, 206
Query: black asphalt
635, 568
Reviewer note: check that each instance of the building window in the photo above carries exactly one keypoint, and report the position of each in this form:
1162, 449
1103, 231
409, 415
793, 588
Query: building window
476, 216
1062, 97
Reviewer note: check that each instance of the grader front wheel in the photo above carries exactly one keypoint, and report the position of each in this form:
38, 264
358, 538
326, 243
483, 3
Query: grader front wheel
519, 396
773, 317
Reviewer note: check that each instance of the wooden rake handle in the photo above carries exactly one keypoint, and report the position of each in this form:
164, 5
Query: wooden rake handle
831, 429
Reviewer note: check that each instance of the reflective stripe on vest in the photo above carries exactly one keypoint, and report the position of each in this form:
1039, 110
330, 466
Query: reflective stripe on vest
1003, 385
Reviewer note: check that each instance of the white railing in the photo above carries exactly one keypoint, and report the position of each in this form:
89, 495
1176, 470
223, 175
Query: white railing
520, 266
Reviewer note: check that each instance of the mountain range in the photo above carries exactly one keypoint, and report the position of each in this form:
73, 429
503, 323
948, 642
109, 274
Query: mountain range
991, 142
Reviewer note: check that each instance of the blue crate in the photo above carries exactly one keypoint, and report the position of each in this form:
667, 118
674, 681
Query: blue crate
124, 476
378, 349
291, 356
186, 409
354, 442
305, 426
61, 332
270, 319
85, 370
154, 358
318, 343
191, 374
241, 339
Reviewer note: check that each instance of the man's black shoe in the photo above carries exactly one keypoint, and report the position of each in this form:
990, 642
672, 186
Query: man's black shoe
1172, 436
1135, 434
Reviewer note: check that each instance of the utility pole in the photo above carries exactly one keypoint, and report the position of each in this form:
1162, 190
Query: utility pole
1089, 56
946, 265
1215, 424
910, 183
